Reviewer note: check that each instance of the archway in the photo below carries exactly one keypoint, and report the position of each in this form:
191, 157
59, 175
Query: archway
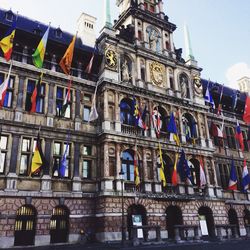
208, 213
25, 226
138, 210
233, 219
59, 225
173, 217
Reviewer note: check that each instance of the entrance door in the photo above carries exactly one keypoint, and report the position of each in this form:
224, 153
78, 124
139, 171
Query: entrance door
173, 217
207, 212
59, 225
25, 226
233, 219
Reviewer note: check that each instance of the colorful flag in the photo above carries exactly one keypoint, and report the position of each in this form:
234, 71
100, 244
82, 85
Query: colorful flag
93, 115
216, 131
39, 53
142, 119
184, 169
63, 163
189, 177
208, 97
172, 129
38, 160
6, 43
239, 136
232, 185
193, 130
246, 116
66, 101
245, 177
157, 123
136, 168
203, 181
66, 60
162, 175
4, 87
90, 64
174, 178
36, 91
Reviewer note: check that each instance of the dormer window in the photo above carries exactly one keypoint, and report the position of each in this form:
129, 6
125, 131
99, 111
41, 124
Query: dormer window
9, 16
37, 31
58, 33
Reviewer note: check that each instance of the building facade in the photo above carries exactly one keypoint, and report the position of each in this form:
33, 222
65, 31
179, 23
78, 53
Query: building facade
136, 65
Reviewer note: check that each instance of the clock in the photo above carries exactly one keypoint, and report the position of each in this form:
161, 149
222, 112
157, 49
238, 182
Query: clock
156, 73
111, 58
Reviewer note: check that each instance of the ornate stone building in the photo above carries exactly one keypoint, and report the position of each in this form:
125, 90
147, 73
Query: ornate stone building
136, 63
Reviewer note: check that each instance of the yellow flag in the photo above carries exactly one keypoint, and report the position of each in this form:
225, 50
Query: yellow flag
136, 169
36, 161
162, 175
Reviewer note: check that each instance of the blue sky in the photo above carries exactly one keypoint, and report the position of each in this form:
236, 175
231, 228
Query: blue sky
220, 30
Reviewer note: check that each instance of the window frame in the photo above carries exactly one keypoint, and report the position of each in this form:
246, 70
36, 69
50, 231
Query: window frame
60, 100
4, 151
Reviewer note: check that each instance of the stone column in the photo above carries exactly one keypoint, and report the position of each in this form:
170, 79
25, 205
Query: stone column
46, 178
117, 114
50, 115
118, 165
152, 130
202, 141
106, 122
19, 104
209, 142
25, 55
77, 110
53, 63
183, 137
157, 183
76, 187
11, 182
79, 70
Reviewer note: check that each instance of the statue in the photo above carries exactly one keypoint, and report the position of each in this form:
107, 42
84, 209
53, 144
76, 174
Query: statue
153, 39
125, 71
183, 85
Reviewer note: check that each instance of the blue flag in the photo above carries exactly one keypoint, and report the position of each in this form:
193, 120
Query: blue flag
63, 164
172, 129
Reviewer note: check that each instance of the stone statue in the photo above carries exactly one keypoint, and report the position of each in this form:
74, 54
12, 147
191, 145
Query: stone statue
198, 86
125, 71
183, 84
153, 39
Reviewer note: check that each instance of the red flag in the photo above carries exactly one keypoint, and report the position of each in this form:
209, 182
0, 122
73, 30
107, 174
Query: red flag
174, 175
35, 92
239, 136
246, 116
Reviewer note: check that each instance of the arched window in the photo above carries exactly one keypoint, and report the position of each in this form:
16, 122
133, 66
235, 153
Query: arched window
59, 225
190, 128
184, 86
126, 112
25, 226
194, 166
128, 165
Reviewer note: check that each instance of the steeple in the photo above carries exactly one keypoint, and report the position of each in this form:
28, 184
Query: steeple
190, 60
108, 23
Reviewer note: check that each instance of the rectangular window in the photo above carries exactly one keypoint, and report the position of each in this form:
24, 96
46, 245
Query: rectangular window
244, 133
86, 112
26, 156
7, 103
139, 35
224, 175
231, 137
3, 152
87, 150
58, 153
60, 98
86, 169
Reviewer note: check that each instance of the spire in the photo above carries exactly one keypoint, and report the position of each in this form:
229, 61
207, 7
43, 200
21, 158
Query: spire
190, 60
108, 23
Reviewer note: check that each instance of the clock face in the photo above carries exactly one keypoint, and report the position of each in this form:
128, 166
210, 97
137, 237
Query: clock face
111, 58
156, 72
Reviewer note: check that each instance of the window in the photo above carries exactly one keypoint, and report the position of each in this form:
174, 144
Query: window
86, 112
230, 137
59, 151
10, 90
239, 175
152, 8
9, 16
139, 35
3, 152
246, 148
224, 175
171, 82
58, 33
126, 113
86, 161
27, 150
86, 106
190, 128
40, 96
63, 110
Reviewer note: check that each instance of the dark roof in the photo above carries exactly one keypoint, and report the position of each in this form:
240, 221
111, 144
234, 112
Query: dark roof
28, 25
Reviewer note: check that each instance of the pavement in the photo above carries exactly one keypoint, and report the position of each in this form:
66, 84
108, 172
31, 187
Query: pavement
241, 244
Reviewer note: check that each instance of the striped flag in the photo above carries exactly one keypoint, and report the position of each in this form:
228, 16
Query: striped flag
157, 123
239, 136
63, 164
246, 115
66, 100
39, 53
4, 87
232, 185
245, 177
6, 43
172, 129
203, 181
35, 93
174, 175
90, 64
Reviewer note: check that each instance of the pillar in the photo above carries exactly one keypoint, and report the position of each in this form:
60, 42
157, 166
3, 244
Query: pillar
19, 104
50, 115
77, 110
106, 122
77, 185
117, 114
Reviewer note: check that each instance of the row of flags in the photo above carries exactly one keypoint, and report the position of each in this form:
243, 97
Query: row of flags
6, 44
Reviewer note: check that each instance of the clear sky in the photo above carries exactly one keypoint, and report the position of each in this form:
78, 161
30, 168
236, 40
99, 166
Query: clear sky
219, 29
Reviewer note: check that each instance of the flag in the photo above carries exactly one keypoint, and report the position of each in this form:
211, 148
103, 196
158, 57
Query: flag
215, 131
157, 123
248, 134
35, 93
184, 170
66, 101
55, 169
93, 115
174, 175
38, 160
6, 43
233, 177
193, 130
4, 87
219, 108
162, 175
203, 181
189, 177
136, 168
63, 163
208, 97
239, 136
39, 53
245, 177
246, 115
172, 129
90, 64
136, 112
142, 119
66, 60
